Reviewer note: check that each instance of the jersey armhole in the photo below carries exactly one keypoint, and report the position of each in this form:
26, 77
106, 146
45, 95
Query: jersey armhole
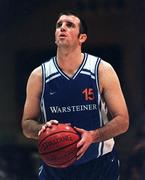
43, 79
97, 74
42, 106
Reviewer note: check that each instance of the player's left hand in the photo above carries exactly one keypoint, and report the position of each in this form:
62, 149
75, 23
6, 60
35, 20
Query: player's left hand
85, 142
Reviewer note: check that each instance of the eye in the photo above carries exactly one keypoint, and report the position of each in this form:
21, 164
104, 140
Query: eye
59, 24
70, 24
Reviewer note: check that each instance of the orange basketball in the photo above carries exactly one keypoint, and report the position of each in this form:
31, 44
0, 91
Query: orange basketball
57, 145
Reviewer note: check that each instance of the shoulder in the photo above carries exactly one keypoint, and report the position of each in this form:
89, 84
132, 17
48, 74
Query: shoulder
105, 67
107, 75
106, 71
35, 77
34, 83
91, 57
36, 73
91, 62
49, 61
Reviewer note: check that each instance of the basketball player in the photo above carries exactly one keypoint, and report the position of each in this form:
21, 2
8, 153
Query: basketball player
81, 89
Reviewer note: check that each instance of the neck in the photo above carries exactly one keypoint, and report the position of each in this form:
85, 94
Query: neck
69, 61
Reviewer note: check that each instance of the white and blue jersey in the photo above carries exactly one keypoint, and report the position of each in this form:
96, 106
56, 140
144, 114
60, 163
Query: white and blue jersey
76, 100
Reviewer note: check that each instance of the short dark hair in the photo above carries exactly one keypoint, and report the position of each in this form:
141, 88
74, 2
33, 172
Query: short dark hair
83, 25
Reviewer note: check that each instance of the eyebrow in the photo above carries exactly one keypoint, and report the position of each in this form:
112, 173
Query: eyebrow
66, 21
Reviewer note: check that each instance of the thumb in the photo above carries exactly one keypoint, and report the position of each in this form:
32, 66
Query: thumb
79, 130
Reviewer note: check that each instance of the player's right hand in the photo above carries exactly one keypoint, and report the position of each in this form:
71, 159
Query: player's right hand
48, 125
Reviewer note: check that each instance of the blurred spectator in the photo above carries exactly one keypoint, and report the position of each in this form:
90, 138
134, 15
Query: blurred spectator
136, 160
17, 162
136, 163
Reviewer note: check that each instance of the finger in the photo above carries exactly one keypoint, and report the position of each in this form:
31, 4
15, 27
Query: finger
39, 133
68, 124
79, 130
53, 121
42, 129
48, 124
78, 157
80, 153
80, 143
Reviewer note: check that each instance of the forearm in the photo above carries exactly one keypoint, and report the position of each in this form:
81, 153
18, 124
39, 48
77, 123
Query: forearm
112, 129
31, 128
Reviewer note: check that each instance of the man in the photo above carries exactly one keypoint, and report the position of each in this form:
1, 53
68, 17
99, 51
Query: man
77, 88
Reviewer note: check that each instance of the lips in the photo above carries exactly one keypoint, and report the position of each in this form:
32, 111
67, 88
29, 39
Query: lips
62, 35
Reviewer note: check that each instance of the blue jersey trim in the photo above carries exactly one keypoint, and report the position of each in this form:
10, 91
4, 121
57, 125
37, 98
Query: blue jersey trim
42, 105
77, 72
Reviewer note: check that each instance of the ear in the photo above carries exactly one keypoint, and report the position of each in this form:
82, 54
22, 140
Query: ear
82, 38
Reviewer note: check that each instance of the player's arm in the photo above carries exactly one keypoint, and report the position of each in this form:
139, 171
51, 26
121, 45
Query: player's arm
111, 91
31, 113
30, 124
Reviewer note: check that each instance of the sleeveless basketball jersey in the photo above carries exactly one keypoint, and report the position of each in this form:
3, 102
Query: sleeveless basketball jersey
76, 100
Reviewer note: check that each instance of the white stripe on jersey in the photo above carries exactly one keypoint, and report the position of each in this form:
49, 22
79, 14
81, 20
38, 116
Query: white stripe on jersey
91, 63
50, 68
43, 110
53, 77
87, 73
99, 149
40, 170
108, 146
42, 106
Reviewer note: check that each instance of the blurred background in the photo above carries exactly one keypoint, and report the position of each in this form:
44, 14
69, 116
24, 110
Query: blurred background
116, 34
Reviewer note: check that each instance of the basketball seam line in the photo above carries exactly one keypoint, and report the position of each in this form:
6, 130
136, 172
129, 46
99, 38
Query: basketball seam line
54, 134
59, 148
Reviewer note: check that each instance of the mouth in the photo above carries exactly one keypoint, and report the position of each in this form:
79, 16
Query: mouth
62, 35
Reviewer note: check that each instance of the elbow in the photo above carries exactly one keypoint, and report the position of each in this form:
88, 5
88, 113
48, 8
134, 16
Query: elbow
125, 125
25, 130
26, 134
30, 129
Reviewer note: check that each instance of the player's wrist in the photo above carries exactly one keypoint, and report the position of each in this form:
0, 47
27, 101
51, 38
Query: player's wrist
95, 136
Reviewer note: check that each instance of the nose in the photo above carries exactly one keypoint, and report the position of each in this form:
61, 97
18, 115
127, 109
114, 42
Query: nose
63, 27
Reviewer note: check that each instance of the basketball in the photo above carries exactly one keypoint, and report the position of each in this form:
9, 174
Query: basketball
57, 145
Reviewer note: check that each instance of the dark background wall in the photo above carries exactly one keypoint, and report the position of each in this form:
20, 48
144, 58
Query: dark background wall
116, 33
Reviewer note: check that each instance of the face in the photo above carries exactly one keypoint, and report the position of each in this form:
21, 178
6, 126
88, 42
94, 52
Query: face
67, 31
